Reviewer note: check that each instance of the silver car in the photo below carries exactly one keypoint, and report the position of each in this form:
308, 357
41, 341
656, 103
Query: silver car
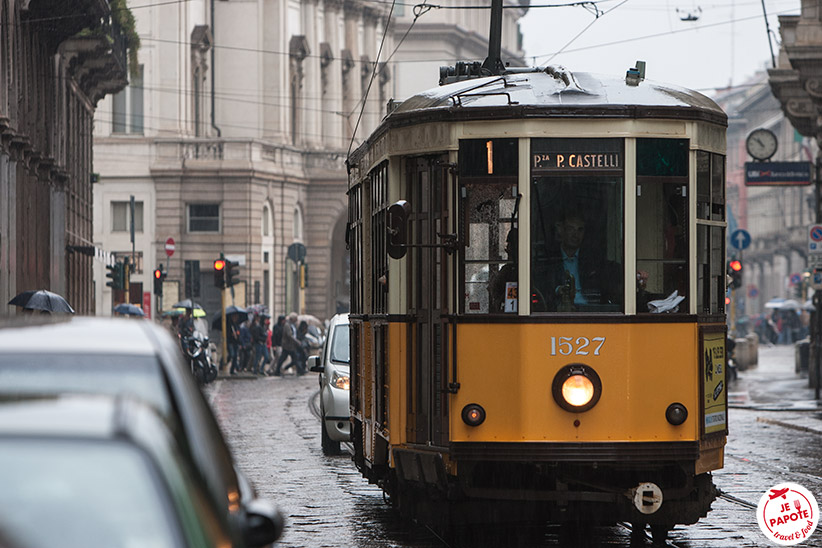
335, 385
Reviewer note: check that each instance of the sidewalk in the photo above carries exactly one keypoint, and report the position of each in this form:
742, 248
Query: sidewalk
774, 388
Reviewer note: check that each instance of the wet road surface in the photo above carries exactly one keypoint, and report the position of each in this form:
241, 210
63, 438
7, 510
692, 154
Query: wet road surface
272, 426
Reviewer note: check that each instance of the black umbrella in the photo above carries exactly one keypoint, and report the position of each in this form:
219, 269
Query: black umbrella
230, 310
128, 309
187, 303
42, 300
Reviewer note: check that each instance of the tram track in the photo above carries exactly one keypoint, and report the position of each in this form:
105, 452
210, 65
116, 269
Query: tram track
803, 476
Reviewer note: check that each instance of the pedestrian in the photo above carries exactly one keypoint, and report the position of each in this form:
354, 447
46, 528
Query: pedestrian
269, 355
277, 339
258, 337
303, 349
246, 346
233, 343
290, 346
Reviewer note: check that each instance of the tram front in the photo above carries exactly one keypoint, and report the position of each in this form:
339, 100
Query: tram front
549, 341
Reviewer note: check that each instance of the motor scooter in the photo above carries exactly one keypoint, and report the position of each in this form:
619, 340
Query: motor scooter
196, 350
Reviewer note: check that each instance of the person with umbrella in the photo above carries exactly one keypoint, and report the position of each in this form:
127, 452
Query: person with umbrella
41, 300
185, 325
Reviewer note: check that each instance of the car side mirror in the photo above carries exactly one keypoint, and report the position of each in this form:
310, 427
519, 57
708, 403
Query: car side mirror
263, 523
314, 364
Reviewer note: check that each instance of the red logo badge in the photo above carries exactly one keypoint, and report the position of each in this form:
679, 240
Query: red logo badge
787, 514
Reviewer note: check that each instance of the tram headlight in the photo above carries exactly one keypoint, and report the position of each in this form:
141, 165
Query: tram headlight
576, 387
473, 414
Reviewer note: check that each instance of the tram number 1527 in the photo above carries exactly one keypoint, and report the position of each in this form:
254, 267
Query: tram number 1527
565, 346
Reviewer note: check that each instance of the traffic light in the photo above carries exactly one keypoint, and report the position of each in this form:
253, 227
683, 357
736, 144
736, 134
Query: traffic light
159, 276
735, 273
220, 273
115, 275
232, 273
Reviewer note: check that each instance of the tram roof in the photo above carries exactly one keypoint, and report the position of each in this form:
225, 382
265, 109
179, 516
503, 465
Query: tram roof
552, 91
556, 89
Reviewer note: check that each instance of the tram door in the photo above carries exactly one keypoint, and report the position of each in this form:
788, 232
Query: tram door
427, 178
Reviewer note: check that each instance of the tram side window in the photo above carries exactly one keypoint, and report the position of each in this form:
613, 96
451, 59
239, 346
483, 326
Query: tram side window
710, 186
662, 225
491, 266
710, 250
488, 170
577, 233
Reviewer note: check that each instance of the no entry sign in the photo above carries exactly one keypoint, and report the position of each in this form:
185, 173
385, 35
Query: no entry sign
170, 247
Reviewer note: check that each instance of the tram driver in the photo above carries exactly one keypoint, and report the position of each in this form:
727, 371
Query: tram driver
574, 276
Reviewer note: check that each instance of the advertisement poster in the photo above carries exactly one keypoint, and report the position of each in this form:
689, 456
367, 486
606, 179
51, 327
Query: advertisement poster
714, 384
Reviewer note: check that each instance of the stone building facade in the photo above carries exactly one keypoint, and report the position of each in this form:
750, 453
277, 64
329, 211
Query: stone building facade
57, 60
234, 141
441, 36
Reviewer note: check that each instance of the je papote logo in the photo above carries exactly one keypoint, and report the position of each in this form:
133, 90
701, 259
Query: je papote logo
787, 514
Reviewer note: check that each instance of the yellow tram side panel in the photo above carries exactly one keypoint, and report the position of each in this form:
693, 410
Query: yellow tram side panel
398, 388
509, 368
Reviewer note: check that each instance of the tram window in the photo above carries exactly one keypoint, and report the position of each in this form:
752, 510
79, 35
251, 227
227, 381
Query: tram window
710, 186
577, 243
662, 157
710, 243
661, 241
490, 260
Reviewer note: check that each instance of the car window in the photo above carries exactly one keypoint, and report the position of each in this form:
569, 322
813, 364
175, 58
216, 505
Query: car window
83, 490
340, 350
140, 376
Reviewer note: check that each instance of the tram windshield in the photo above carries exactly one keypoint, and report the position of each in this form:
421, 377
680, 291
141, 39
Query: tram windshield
577, 228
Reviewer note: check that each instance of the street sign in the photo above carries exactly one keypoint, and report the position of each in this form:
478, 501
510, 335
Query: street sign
815, 239
777, 173
753, 291
170, 247
795, 278
740, 239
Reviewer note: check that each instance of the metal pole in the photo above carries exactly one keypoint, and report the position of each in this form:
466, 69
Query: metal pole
224, 346
768, 31
223, 355
494, 63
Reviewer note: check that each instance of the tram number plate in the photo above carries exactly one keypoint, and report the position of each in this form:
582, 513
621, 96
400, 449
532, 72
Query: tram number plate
579, 346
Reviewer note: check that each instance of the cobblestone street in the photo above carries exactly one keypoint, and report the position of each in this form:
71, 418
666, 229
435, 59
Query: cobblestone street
271, 424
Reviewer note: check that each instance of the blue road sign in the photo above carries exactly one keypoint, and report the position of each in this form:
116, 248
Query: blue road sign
741, 239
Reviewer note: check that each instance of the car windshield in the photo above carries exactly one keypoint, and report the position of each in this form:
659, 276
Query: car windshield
340, 351
140, 376
75, 493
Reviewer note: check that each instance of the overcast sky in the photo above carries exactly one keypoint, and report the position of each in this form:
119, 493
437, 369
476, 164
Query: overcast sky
726, 45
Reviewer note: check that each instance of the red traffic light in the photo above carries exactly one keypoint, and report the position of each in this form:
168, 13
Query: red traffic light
219, 264
736, 265
158, 274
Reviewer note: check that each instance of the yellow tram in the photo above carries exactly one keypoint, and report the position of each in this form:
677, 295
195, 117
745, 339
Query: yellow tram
537, 308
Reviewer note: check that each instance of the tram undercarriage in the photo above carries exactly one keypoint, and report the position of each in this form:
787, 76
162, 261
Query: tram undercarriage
659, 494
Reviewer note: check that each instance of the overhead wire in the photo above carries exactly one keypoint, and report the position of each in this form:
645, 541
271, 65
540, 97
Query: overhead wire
371, 81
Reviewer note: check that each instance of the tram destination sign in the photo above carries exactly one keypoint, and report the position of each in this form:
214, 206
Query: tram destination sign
576, 161
777, 173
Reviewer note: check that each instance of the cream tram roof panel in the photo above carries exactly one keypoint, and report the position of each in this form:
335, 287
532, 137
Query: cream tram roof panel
556, 88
